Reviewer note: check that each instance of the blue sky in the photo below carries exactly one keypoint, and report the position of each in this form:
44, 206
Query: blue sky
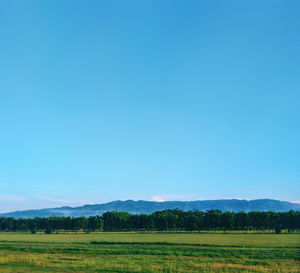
154, 100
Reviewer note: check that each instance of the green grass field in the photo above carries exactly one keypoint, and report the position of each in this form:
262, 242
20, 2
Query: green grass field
131, 252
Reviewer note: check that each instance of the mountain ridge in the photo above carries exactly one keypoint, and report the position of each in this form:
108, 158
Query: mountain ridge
147, 207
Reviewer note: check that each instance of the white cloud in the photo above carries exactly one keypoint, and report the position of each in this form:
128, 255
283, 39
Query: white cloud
157, 199
167, 197
10, 202
64, 202
8, 197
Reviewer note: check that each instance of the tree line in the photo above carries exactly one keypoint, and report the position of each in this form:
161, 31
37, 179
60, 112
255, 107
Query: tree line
167, 220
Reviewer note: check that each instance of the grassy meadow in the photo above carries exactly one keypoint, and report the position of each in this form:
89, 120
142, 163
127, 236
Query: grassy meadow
132, 252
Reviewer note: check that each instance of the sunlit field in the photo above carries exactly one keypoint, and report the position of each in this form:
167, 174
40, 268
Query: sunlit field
131, 252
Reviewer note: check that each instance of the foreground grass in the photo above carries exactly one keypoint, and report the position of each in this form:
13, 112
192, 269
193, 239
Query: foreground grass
129, 252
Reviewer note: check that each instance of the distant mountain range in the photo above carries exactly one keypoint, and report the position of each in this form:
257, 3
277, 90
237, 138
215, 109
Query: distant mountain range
147, 207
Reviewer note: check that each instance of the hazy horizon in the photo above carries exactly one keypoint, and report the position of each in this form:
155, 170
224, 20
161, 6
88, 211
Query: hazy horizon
149, 100
74, 203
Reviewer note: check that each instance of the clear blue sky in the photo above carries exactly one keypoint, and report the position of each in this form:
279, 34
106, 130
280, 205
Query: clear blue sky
162, 100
